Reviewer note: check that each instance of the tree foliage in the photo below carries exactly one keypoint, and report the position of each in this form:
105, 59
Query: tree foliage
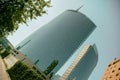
51, 67
13, 12
5, 54
21, 71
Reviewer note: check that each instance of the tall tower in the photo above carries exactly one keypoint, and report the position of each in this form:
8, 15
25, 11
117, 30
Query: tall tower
82, 65
112, 71
58, 39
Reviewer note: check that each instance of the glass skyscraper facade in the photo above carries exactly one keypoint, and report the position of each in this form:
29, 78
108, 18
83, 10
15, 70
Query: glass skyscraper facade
83, 64
57, 40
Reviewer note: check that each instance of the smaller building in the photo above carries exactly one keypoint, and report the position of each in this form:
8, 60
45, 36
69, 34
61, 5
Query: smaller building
82, 66
112, 72
15, 55
4, 42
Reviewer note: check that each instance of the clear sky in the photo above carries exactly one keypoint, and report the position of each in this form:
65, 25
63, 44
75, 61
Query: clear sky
104, 13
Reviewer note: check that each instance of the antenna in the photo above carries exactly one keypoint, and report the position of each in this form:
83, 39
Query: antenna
79, 8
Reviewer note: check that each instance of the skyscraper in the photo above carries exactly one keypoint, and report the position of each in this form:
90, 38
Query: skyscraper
58, 39
112, 72
83, 65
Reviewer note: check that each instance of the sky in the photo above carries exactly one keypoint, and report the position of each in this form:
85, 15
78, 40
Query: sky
104, 13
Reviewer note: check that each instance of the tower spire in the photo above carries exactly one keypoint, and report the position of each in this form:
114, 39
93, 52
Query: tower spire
79, 8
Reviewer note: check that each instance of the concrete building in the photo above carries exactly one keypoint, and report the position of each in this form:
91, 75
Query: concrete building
83, 65
16, 55
58, 39
112, 72
4, 42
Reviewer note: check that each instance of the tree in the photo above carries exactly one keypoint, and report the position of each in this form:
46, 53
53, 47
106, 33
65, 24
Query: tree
20, 71
14, 12
51, 67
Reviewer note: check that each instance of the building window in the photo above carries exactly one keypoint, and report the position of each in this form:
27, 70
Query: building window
17, 52
113, 63
109, 65
117, 74
110, 76
118, 68
113, 71
118, 60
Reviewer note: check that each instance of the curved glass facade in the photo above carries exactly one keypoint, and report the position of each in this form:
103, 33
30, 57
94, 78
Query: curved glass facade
86, 65
57, 40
